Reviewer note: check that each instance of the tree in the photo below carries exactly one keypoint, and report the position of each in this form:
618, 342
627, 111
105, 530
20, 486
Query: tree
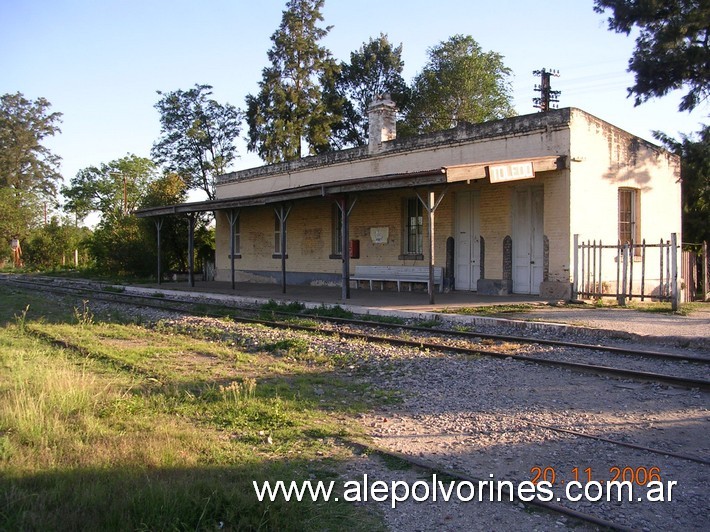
198, 135
114, 189
19, 213
29, 171
121, 247
170, 189
460, 82
673, 52
695, 182
374, 69
53, 244
672, 48
289, 107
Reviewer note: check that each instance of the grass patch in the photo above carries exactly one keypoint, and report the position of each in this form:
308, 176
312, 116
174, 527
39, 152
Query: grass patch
271, 308
114, 289
389, 320
117, 426
395, 463
335, 311
491, 310
653, 307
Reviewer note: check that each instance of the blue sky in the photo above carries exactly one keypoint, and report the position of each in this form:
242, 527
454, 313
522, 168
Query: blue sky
100, 62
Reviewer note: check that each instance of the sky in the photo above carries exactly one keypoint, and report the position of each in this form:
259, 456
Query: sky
100, 62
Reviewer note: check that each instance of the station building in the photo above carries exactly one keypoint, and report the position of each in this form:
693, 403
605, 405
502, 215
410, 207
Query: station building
491, 208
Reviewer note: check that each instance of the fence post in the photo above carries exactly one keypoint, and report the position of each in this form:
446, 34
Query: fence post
622, 295
674, 272
643, 268
575, 273
631, 270
601, 282
662, 288
706, 275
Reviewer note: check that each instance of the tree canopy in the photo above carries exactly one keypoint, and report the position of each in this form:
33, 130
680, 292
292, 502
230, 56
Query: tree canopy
114, 189
29, 171
374, 69
198, 135
672, 48
460, 82
673, 52
289, 107
695, 182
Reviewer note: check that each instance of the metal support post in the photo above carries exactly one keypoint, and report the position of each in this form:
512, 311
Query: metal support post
191, 249
232, 217
158, 227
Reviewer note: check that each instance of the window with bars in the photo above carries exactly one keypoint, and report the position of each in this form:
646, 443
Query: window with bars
277, 236
337, 226
414, 222
629, 226
237, 239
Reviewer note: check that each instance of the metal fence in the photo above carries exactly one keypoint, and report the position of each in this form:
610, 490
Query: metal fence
642, 271
695, 266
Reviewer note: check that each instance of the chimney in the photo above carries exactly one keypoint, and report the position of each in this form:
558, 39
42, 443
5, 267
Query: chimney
382, 115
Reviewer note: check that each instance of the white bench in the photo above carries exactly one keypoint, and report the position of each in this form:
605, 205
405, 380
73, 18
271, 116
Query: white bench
398, 274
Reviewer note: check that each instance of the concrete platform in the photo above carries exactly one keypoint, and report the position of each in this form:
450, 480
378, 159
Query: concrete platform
417, 301
627, 323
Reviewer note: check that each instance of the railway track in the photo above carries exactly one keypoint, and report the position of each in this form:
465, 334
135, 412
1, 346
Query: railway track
463, 343
683, 370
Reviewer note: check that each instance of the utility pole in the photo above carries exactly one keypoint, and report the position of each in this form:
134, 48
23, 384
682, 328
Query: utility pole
547, 95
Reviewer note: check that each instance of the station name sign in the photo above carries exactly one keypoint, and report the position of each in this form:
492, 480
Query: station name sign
501, 173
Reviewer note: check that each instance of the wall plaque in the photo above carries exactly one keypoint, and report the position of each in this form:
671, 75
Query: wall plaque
379, 235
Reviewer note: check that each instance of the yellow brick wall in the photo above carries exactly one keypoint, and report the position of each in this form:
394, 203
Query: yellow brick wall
310, 227
580, 199
310, 234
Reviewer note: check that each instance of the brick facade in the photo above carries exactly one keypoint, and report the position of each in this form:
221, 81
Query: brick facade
579, 198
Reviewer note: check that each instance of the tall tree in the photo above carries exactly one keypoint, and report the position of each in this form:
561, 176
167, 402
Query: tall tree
673, 52
460, 82
113, 189
53, 244
672, 48
374, 69
695, 182
198, 135
29, 171
169, 189
289, 107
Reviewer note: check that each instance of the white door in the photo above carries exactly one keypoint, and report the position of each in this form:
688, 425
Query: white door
467, 246
528, 246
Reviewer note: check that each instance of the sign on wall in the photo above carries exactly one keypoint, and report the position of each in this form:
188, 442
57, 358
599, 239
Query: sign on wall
379, 235
501, 173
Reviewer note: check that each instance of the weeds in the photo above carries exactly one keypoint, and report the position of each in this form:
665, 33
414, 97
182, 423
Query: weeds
491, 310
237, 392
390, 320
21, 320
114, 289
272, 307
84, 317
335, 311
86, 443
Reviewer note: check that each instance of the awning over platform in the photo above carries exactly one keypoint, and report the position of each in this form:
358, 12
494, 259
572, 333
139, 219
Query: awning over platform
438, 176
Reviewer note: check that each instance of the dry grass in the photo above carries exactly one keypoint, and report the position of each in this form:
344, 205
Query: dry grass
111, 426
